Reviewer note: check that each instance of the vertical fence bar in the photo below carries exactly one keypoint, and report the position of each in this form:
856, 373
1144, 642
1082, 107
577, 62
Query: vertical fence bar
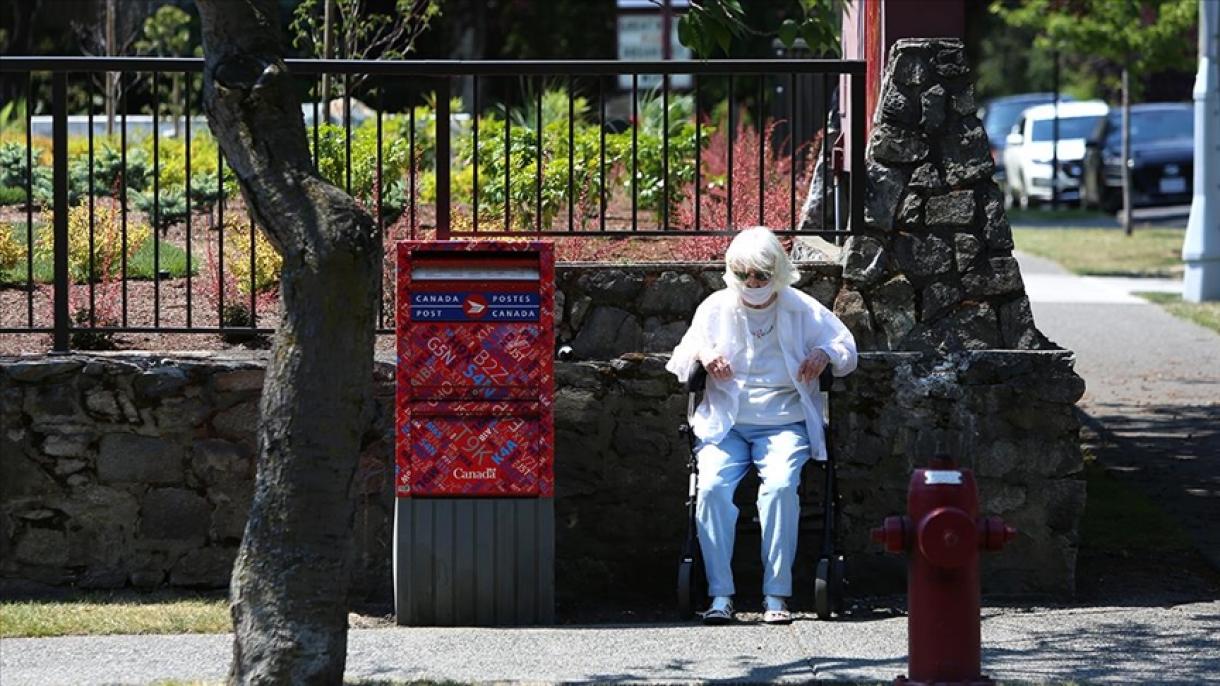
411, 169
253, 282
601, 169
186, 116
59, 135
123, 192
220, 237
380, 206
792, 149
508, 125
474, 195
826, 144
571, 157
443, 197
732, 130
317, 91
538, 161
698, 156
665, 151
762, 144
858, 173
347, 130
156, 218
29, 199
635, 146
92, 250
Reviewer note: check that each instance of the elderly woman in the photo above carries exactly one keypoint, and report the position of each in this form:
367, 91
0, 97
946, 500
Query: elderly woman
764, 344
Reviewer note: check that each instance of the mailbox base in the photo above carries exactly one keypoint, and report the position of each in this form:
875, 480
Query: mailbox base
474, 561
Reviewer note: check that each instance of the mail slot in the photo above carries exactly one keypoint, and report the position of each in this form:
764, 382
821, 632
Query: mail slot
475, 432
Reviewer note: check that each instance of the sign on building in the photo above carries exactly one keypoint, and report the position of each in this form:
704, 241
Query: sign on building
640, 27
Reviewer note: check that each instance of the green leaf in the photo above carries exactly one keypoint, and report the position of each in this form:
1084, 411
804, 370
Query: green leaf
815, 36
788, 32
687, 36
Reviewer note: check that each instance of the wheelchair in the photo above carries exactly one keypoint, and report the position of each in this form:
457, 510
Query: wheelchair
830, 575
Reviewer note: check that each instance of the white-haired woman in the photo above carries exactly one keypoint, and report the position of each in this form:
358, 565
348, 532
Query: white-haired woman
764, 344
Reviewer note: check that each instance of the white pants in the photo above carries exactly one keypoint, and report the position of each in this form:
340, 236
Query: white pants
778, 452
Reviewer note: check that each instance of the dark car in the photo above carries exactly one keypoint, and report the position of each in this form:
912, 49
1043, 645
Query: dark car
999, 115
1162, 158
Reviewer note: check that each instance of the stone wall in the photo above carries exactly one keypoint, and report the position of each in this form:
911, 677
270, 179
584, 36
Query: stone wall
932, 268
136, 470
605, 312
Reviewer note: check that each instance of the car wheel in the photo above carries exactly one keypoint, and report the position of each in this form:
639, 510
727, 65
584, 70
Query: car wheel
1111, 201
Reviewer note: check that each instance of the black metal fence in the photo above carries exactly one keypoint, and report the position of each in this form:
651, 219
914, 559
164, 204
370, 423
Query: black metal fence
571, 151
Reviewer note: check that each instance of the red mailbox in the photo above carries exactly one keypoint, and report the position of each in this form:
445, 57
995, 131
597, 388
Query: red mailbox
475, 371
474, 440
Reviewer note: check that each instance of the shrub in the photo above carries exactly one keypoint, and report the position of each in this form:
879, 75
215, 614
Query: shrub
332, 157
171, 206
267, 260
106, 257
108, 169
776, 182
12, 249
12, 195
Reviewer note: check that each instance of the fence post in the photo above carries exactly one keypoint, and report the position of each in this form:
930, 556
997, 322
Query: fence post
443, 199
859, 175
59, 135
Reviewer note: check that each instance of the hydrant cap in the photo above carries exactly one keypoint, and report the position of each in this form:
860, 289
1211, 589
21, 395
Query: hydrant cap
948, 537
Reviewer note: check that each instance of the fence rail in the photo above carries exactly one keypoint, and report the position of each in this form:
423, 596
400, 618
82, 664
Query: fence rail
672, 162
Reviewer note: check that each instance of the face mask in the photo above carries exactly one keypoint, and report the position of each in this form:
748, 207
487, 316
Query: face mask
757, 296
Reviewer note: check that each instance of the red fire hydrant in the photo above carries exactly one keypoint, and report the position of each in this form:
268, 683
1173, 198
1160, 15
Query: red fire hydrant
944, 534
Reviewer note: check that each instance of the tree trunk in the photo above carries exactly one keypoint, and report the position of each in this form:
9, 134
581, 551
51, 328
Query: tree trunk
289, 585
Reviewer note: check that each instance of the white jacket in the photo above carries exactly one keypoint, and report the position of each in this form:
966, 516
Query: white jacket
802, 324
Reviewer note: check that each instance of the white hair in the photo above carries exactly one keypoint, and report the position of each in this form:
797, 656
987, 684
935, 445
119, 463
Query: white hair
758, 249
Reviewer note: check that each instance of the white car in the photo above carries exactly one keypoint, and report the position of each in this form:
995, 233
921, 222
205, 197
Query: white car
1029, 153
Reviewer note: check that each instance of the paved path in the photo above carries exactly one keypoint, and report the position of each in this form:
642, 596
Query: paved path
1179, 644
1153, 387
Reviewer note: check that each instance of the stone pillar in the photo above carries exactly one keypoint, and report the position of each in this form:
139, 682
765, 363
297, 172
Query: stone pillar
933, 268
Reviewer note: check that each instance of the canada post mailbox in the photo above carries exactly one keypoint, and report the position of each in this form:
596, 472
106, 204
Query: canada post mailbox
474, 533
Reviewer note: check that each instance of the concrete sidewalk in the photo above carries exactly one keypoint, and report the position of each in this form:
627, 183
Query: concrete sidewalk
1152, 388
1177, 644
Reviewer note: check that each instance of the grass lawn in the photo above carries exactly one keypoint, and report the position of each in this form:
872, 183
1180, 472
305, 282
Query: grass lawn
1206, 314
1107, 252
115, 613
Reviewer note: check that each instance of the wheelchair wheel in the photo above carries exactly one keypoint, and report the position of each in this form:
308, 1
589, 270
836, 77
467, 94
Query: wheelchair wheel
686, 588
838, 576
822, 591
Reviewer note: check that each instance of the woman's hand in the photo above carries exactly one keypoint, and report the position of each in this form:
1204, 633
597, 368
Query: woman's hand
718, 367
813, 365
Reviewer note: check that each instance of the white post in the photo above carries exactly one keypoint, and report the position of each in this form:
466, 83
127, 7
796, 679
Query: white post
1201, 250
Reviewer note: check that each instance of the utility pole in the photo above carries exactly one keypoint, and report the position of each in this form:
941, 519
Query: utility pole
1201, 249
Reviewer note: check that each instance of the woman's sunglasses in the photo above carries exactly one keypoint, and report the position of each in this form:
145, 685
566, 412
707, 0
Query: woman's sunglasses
758, 275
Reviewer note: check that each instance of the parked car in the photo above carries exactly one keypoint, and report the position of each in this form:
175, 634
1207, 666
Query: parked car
999, 115
1162, 157
1028, 154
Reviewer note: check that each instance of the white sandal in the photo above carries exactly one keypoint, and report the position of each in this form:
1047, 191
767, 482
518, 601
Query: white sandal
775, 611
719, 613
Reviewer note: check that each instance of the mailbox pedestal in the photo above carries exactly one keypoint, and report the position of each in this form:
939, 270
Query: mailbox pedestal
474, 534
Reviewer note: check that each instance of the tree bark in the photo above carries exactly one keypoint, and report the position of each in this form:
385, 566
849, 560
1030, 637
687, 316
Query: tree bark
1126, 218
289, 584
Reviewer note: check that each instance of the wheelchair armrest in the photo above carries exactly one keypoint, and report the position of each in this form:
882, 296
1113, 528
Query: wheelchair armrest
698, 379
826, 379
